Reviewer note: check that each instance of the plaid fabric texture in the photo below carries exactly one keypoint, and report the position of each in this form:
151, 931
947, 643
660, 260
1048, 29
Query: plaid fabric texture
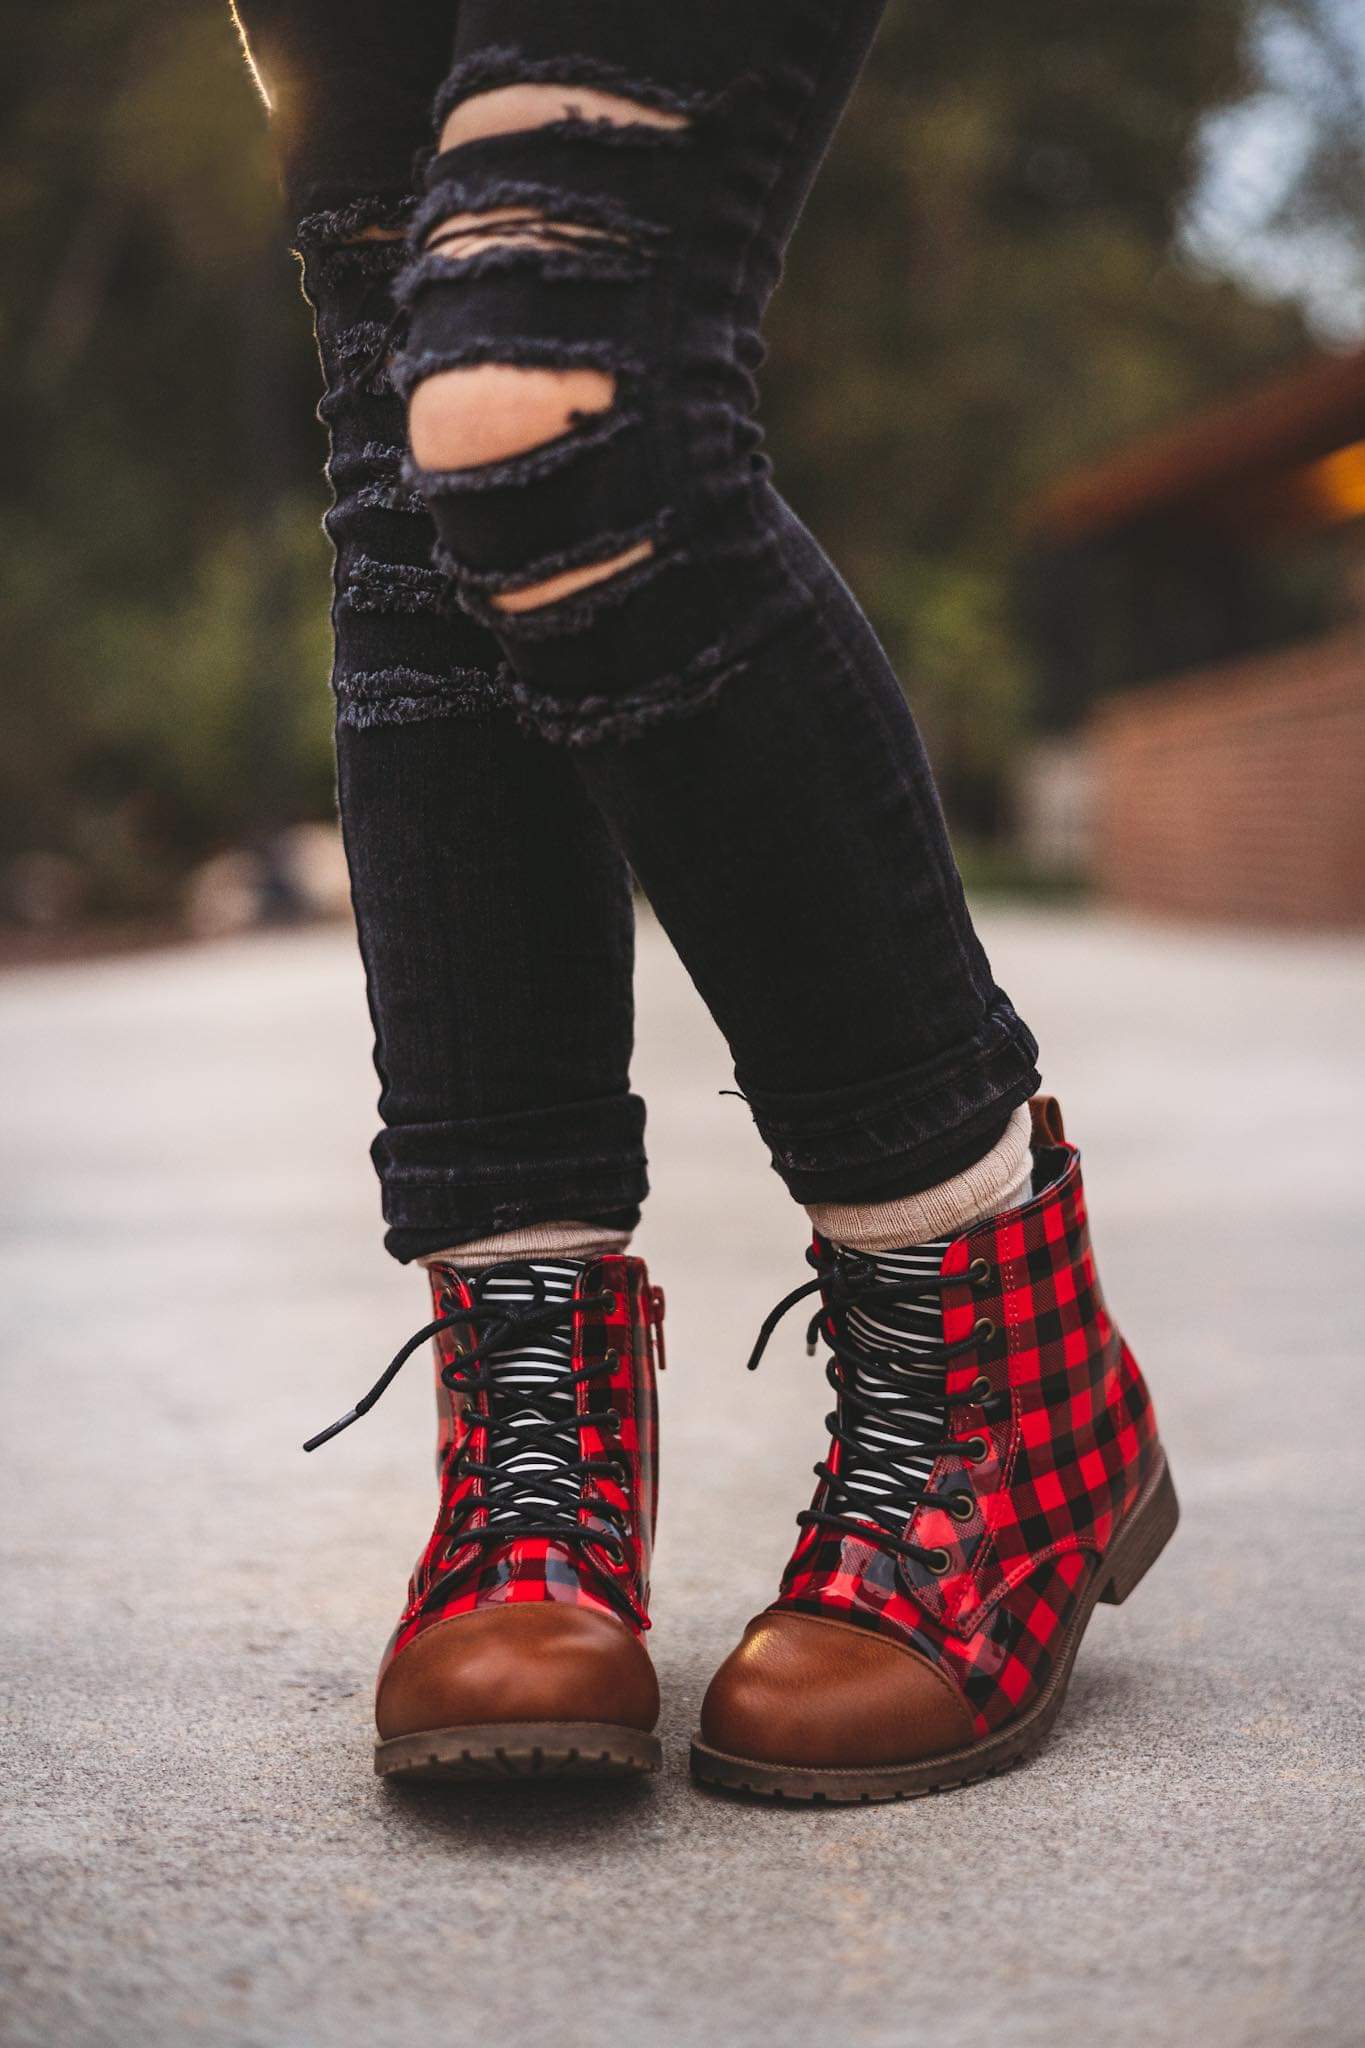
1059, 1472
449, 1581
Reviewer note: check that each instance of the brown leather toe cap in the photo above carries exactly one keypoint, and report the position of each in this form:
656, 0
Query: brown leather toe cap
802, 1690
529, 1661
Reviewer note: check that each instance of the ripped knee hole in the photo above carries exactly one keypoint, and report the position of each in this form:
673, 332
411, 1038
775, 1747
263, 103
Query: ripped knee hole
490, 412
531, 596
468, 417
510, 109
484, 413
508, 227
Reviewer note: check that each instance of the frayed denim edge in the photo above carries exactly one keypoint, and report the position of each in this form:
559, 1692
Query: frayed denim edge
589, 721
407, 696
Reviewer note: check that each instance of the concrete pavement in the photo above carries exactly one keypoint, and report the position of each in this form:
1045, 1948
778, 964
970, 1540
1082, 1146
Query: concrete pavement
195, 1850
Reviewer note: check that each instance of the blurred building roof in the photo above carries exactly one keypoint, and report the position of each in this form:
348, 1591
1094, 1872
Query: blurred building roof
1287, 456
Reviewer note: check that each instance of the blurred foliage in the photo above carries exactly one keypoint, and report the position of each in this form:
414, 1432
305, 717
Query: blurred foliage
985, 290
163, 643
1283, 198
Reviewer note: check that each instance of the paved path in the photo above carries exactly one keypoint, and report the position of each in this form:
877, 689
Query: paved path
197, 1852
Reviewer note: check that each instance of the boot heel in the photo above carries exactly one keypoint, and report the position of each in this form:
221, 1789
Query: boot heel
1142, 1542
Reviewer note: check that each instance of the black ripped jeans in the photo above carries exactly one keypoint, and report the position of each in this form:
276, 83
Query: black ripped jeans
718, 714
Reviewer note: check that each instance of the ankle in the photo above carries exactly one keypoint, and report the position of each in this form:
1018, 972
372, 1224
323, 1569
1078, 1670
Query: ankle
999, 1180
557, 1240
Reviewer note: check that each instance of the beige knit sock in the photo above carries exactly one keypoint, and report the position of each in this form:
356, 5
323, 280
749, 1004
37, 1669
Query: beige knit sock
999, 1181
532, 1241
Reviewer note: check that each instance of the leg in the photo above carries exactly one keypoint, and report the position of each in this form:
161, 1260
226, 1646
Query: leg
496, 924
348, 99
479, 867
585, 294
603, 225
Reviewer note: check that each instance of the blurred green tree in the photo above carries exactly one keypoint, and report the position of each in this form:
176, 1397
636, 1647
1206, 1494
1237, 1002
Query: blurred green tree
986, 288
163, 648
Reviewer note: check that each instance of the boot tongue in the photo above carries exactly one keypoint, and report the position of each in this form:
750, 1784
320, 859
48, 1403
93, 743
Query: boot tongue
895, 1350
531, 1385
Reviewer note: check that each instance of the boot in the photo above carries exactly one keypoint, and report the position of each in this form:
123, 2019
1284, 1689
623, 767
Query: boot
519, 1651
925, 1641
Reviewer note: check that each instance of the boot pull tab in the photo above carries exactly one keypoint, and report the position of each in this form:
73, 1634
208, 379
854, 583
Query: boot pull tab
656, 1323
1048, 1128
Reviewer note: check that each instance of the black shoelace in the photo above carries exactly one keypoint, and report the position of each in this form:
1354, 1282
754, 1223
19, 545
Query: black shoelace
520, 1420
857, 1423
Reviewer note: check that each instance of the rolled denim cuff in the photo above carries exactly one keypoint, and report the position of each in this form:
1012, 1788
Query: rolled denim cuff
904, 1132
449, 1183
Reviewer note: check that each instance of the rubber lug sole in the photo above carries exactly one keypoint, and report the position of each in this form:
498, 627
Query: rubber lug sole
1141, 1540
520, 1749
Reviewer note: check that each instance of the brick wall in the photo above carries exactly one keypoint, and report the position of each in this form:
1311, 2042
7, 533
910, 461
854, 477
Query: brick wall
1239, 793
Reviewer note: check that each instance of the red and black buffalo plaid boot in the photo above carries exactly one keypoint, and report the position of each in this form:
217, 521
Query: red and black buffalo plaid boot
519, 1651
925, 1630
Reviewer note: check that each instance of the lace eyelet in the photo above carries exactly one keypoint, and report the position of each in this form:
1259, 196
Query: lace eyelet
979, 1390
938, 1562
978, 1272
962, 1507
983, 1330
976, 1449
